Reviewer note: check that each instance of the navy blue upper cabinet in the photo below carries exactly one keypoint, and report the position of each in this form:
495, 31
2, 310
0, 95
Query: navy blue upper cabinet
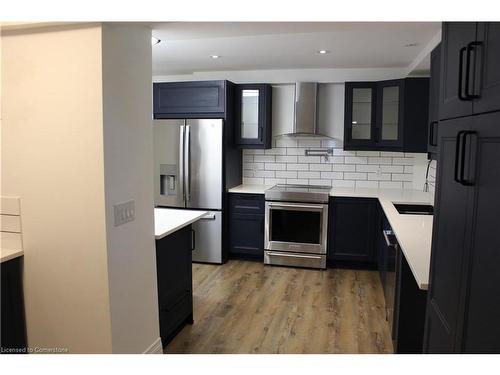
185, 99
387, 115
470, 78
253, 116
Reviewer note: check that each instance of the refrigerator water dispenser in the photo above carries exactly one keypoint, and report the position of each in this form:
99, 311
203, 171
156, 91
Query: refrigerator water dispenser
168, 179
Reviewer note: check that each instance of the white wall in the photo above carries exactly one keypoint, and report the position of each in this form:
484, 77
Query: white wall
128, 167
76, 139
52, 157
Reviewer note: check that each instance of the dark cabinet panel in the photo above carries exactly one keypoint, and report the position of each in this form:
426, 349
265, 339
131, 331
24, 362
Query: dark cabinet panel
246, 225
456, 37
247, 235
448, 243
486, 54
352, 229
387, 115
253, 116
188, 99
174, 276
13, 321
482, 325
434, 83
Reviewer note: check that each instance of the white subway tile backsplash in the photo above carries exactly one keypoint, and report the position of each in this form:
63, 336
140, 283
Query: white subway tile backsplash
408, 169
379, 160
276, 151
309, 174
367, 168
356, 160
391, 168
402, 177
390, 184
355, 176
286, 174
275, 166
297, 181
343, 167
286, 159
320, 167
367, 184
343, 183
287, 163
332, 175
264, 174
297, 167
274, 181
335, 160
296, 151
379, 176
309, 159
264, 158
320, 182
402, 161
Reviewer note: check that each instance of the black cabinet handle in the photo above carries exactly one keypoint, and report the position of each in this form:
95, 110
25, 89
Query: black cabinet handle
462, 179
193, 240
461, 55
432, 126
457, 155
471, 47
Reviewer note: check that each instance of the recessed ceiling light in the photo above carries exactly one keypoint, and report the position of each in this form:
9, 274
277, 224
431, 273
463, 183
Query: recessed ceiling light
214, 56
154, 40
322, 51
411, 45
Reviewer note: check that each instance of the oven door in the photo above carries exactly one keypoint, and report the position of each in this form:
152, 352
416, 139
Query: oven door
296, 227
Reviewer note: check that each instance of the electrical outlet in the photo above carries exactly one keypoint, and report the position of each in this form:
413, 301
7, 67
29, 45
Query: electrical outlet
124, 212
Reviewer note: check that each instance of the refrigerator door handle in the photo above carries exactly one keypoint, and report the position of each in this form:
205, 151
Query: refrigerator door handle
181, 164
187, 164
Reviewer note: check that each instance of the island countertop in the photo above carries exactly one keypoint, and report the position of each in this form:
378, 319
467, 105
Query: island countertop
169, 220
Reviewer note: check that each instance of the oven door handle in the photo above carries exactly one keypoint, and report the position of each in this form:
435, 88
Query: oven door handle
292, 255
297, 206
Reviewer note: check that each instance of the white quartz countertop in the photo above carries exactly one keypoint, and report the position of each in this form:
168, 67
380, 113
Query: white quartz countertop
8, 254
413, 232
169, 220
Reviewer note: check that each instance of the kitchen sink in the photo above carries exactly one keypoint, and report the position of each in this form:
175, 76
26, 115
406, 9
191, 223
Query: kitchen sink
414, 209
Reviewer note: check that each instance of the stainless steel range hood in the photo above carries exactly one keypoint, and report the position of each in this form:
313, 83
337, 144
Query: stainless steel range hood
305, 108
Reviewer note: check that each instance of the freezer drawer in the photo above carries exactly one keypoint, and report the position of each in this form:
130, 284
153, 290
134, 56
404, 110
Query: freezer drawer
280, 258
208, 238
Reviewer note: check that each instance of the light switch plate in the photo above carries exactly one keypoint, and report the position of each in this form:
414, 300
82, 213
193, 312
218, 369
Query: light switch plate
124, 212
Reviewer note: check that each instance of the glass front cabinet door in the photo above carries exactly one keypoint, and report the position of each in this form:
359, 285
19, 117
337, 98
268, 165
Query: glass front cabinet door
373, 115
253, 116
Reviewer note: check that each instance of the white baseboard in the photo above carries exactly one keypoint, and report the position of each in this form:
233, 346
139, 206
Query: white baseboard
155, 348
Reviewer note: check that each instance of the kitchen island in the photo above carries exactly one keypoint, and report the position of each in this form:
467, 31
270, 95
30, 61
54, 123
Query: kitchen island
175, 240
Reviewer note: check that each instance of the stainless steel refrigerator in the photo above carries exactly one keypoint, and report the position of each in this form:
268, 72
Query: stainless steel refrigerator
188, 174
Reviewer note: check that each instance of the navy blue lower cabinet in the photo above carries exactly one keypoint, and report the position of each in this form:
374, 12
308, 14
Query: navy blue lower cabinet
174, 274
13, 318
353, 223
246, 226
409, 310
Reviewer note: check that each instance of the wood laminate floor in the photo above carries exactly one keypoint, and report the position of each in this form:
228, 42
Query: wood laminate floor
246, 307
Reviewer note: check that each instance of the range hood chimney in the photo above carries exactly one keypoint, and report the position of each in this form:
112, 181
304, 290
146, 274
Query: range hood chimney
305, 108
304, 112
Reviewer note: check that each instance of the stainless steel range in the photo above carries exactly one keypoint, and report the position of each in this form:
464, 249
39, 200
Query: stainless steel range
296, 225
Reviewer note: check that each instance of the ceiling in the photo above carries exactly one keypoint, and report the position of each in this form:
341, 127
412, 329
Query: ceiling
186, 47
